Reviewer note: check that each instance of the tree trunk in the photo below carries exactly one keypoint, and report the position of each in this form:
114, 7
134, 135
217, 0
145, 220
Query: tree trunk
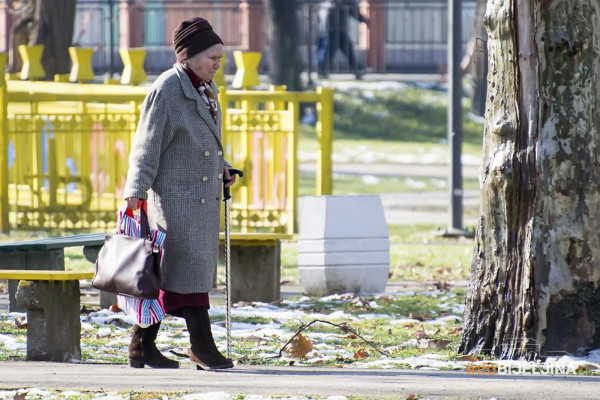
47, 22
282, 30
479, 66
536, 264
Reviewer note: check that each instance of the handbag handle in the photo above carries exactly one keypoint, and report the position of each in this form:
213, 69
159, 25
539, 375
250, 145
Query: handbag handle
142, 209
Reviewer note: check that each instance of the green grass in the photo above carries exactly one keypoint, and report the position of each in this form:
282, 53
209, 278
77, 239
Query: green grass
410, 115
420, 253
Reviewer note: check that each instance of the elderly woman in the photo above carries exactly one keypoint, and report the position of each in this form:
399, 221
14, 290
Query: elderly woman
177, 164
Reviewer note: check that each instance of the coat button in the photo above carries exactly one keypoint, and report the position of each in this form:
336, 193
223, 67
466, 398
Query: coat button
220, 176
206, 154
204, 178
202, 201
220, 153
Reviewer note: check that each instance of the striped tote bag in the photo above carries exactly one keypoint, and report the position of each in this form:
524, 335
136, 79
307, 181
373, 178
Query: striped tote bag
143, 312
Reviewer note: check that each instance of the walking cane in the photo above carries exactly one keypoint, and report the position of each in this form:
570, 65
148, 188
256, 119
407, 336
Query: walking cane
227, 200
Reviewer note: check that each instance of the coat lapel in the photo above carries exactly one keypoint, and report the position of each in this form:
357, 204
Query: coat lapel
191, 93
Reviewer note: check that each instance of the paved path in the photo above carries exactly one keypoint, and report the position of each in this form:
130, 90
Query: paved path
365, 383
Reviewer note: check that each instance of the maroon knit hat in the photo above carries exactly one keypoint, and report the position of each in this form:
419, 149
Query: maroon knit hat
192, 36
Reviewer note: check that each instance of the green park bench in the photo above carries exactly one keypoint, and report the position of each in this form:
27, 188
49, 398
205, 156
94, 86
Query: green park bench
44, 254
255, 262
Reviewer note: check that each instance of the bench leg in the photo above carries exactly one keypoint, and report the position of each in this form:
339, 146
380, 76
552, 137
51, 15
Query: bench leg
53, 259
53, 322
106, 299
255, 272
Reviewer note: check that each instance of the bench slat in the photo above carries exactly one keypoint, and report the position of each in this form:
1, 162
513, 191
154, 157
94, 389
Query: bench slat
41, 275
92, 239
97, 239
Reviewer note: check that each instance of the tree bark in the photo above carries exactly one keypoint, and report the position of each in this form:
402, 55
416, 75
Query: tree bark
47, 22
536, 264
476, 61
282, 30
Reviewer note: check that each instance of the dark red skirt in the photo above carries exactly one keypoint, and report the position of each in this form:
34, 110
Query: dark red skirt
172, 302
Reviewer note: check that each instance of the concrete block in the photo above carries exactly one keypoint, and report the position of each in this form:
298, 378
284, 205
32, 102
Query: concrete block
339, 245
255, 272
344, 258
320, 280
52, 259
343, 245
53, 323
107, 299
342, 217
91, 253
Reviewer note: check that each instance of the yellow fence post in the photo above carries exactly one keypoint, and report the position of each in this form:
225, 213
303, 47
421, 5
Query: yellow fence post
246, 75
4, 226
32, 61
325, 135
133, 61
81, 71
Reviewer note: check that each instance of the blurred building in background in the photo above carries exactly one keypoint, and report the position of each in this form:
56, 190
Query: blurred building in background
402, 35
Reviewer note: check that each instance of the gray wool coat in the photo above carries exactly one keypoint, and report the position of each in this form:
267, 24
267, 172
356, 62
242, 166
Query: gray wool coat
176, 163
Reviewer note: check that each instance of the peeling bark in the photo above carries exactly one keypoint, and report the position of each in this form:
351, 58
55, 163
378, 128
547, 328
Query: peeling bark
537, 242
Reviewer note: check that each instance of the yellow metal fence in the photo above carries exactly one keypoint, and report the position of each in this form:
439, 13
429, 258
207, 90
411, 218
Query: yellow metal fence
65, 147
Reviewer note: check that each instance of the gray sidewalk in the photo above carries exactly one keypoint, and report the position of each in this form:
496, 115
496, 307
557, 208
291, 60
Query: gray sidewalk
297, 381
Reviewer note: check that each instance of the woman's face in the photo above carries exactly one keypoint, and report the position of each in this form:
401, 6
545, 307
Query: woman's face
206, 63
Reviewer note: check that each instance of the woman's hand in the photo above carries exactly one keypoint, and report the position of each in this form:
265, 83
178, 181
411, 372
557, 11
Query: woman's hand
228, 178
132, 202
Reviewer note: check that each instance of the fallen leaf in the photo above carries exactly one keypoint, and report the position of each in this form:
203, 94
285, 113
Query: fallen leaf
455, 331
412, 397
115, 308
418, 317
300, 346
21, 395
586, 367
21, 323
421, 334
361, 354
468, 357
443, 286
386, 298
438, 343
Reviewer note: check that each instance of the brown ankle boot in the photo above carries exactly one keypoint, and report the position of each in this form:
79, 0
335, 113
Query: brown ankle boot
143, 351
204, 353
